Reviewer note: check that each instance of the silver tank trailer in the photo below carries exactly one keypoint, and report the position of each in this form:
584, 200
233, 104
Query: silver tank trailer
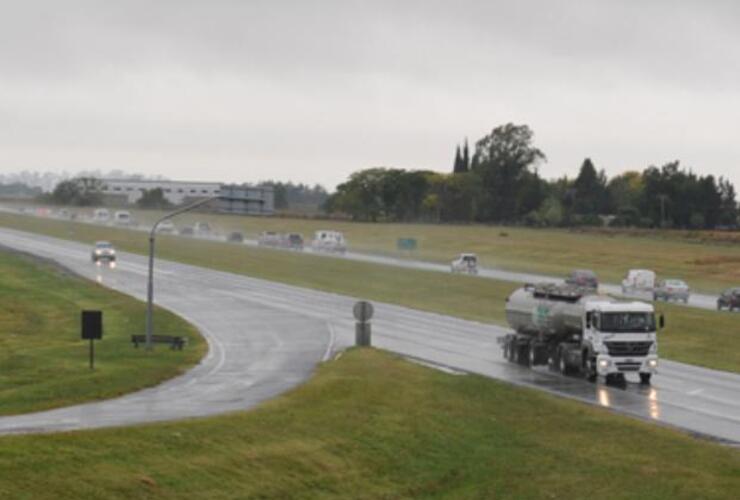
549, 310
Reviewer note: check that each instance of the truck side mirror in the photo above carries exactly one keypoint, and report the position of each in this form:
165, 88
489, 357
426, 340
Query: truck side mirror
662, 321
588, 319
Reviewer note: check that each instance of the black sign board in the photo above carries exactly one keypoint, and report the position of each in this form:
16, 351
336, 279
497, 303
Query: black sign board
92, 325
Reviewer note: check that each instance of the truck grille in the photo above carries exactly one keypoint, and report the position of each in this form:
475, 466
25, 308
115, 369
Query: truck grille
628, 348
627, 367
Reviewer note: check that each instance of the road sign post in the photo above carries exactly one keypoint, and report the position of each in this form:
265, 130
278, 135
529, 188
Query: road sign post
363, 312
92, 330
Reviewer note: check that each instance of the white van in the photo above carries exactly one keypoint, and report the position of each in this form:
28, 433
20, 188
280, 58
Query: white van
638, 280
101, 215
123, 218
329, 241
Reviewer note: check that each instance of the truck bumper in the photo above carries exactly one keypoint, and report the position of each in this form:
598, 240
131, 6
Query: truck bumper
608, 365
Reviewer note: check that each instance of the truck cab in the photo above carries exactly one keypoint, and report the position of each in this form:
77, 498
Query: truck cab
619, 338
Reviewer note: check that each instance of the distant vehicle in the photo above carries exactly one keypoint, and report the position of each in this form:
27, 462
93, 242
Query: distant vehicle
202, 229
64, 213
269, 239
466, 263
672, 290
104, 252
101, 215
187, 231
730, 299
329, 241
122, 218
235, 237
638, 280
293, 241
166, 227
583, 278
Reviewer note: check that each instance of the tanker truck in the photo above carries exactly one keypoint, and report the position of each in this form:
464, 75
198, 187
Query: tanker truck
573, 330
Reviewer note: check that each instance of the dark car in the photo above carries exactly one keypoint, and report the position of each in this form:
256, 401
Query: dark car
294, 241
235, 237
583, 278
730, 299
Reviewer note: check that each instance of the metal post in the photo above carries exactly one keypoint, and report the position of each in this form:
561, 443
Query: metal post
150, 292
150, 279
92, 354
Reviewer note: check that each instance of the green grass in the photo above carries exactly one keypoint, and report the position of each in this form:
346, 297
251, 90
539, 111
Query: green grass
705, 338
43, 362
707, 261
373, 426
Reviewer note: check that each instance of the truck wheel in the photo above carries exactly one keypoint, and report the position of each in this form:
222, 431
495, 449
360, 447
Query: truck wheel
589, 367
522, 355
509, 351
532, 356
645, 378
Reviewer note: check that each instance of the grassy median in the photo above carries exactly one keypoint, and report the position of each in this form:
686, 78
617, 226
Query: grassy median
373, 426
700, 337
43, 362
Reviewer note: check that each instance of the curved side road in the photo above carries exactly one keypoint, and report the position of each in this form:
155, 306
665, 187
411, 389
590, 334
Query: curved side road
266, 337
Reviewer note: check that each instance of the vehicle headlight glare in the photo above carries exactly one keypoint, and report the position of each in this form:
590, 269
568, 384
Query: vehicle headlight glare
653, 363
603, 363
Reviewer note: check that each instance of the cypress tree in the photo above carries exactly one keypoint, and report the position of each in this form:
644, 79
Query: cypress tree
458, 165
466, 157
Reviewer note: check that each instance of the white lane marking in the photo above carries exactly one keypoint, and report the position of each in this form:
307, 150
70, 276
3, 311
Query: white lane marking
330, 344
695, 392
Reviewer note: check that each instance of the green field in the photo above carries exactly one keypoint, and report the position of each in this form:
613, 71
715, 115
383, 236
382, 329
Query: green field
43, 362
709, 262
700, 337
373, 426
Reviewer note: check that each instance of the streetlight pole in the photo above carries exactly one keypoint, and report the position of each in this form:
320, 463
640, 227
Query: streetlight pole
150, 281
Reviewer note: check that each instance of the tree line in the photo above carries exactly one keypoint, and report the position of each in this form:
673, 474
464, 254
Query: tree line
500, 183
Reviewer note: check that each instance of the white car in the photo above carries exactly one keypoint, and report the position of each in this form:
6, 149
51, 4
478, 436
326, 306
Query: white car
103, 252
101, 215
166, 226
122, 218
466, 263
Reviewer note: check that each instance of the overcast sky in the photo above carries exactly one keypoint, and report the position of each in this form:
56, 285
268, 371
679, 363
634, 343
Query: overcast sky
311, 91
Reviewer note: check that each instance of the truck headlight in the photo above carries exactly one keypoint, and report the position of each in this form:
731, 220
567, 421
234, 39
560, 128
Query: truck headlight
603, 363
653, 363
98, 252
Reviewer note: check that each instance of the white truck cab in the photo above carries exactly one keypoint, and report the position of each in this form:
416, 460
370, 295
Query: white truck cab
622, 337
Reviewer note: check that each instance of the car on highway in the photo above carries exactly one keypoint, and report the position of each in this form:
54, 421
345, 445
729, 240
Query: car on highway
584, 278
166, 227
269, 239
122, 218
202, 229
101, 215
466, 263
329, 241
103, 252
672, 289
187, 231
293, 241
730, 299
235, 237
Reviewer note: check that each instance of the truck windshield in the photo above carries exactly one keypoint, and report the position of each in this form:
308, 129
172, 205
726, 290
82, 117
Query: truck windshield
628, 322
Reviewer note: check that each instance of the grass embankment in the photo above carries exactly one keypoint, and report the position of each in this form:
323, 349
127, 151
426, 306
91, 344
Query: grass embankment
344, 434
43, 362
707, 261
705, 338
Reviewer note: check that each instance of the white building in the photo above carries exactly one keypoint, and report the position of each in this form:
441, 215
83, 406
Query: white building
259, 200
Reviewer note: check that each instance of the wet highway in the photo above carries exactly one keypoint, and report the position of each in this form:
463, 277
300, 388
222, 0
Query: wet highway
267, 337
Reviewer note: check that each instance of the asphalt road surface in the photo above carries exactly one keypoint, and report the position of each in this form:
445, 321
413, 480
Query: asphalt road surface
266, 338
